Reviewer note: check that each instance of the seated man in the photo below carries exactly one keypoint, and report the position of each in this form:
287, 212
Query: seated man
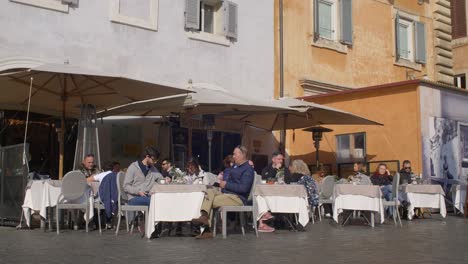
235, 191
169, 172
113, 167
88, 168
406, 174
140, 177
276, 168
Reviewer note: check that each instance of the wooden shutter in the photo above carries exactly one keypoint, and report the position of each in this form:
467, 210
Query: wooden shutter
230, 19
458, 13
420, 42
346, 12
316, 20
397, 37
192, 14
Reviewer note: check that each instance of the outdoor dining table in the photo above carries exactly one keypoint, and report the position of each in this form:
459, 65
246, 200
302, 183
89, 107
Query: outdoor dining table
43, 194
358, 198
424, 196
282, 198
459, 196
174, 203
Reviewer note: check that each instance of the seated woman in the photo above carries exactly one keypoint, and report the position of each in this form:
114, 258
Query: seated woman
384, 179
357, 173
300, 171
319, 174
228, 162
193, 172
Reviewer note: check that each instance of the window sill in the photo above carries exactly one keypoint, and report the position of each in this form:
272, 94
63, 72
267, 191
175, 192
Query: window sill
210, 38
331, 45
408, 64
459, 42
47, 4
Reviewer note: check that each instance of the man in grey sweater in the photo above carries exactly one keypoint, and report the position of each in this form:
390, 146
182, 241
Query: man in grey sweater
140, 177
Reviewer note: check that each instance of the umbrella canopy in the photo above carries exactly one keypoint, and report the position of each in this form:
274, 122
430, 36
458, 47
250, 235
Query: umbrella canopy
59, 89
206, 99
307, 114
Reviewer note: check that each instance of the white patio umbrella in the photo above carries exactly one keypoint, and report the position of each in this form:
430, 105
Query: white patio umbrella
60, 90
206, 100
307, 114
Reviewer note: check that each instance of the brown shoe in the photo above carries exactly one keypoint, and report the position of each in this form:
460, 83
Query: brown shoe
201, 221
205, 235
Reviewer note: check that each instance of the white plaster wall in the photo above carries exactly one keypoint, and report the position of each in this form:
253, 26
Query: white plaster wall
86, 37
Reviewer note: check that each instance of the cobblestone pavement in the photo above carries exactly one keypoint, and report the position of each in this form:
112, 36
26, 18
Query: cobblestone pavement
433, 240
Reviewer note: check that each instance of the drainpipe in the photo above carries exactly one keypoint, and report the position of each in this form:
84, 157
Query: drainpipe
281, 66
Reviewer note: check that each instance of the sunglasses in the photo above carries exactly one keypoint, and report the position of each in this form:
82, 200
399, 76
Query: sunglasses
407, 168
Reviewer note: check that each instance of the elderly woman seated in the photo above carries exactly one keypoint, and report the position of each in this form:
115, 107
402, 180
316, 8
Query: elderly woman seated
299, 174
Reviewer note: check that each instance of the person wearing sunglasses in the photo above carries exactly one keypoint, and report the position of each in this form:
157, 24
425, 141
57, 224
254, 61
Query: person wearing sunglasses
405, 173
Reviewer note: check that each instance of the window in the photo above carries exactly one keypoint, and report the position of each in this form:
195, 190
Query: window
405, 40
351, 147
211, 20
142, 14
458, 14
333, 21
410, 39
460, 81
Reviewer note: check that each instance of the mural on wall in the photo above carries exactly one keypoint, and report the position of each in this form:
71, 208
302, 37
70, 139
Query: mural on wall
445, 152
464, 150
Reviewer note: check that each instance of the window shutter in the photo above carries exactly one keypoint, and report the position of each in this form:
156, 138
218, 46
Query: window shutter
397, 37
192, 14
420, 42
458, 13
230, 19
316, 20
346, 12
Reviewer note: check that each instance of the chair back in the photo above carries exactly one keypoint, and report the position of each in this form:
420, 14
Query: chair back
257, 179
365, 180
328, 184
120, 181
73, 185
209, 178
395, 186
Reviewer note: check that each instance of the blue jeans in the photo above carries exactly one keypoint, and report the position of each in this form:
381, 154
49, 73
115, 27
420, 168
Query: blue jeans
140, 200
387, 194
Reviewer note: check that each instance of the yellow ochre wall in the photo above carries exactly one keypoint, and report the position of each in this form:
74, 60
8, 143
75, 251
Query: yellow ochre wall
399, 139
371, 59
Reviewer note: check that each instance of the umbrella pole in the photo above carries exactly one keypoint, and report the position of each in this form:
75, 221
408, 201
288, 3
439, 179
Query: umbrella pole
62, 131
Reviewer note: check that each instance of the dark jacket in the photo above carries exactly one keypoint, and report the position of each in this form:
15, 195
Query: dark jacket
405, 176
270, 172
381, 180
108, 193
240, 181
292, 177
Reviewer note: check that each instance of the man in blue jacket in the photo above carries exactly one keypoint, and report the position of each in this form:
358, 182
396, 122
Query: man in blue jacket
234, 191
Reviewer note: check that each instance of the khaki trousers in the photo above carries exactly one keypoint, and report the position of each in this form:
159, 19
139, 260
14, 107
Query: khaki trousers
215, 199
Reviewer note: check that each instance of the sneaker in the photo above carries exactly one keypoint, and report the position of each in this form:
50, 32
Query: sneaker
265, 229
205, 235
327, 215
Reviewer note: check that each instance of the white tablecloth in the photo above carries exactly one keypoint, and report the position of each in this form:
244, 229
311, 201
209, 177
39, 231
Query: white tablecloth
459, 196
282, 198
283, 204
43, 194
425, 200
173, 207
357, 202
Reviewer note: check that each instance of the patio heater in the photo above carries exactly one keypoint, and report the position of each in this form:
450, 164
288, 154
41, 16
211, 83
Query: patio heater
209, 125
317, 133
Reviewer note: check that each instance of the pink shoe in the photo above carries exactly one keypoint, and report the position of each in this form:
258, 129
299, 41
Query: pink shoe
267, 217
265, 229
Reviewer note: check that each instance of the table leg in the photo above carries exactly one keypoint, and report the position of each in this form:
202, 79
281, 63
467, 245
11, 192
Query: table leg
50, 218
43, 224
372, 219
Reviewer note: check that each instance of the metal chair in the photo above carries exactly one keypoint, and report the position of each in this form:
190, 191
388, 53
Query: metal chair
124, 206
365, 180
326, 192
73, 188
395, 203
239, 209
